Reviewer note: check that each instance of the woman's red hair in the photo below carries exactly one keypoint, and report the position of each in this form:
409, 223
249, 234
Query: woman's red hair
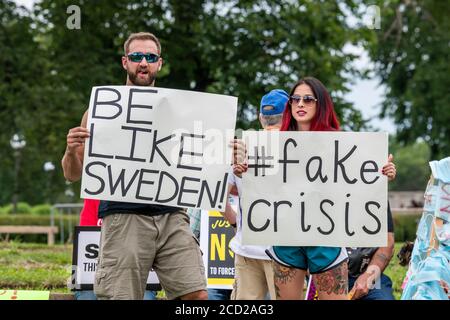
325, 118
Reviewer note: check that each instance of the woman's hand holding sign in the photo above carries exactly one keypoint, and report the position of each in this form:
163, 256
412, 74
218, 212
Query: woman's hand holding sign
240, 164
389, 168
239, 169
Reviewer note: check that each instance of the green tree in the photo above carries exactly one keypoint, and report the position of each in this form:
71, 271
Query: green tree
240, 48
25, 105
413, 170
411, 54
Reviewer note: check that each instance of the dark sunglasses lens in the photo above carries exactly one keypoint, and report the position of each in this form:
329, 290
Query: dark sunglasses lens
151, 57
136, 57
308, 99
295, 99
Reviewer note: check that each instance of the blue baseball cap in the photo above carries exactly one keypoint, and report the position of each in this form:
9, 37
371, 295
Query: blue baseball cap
276, 98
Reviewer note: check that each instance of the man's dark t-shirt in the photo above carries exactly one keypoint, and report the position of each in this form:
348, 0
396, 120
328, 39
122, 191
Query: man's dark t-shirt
111, 207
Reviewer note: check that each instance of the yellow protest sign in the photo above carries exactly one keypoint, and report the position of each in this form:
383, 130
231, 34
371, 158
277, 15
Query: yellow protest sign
24, 295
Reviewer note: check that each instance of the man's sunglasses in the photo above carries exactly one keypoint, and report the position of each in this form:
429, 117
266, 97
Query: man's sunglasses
307, 100
138, 56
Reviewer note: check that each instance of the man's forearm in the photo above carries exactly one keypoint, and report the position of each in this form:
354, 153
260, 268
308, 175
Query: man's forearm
381, 259
72, 166
382, 256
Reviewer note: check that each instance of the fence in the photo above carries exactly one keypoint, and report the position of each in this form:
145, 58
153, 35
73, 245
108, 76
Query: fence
406, 211
58, 211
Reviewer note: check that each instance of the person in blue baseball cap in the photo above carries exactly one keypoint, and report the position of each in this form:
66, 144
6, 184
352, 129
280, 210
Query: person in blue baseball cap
253, 277
272, 108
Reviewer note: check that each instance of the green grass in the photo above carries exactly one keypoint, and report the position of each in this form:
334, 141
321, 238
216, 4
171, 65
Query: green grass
25, 266
396, 272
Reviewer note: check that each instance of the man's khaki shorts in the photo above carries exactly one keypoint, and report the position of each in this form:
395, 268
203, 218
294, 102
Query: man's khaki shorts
132, 244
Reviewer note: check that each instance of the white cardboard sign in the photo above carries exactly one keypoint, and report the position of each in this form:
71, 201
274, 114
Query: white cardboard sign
315, 189
155, 145
85, 259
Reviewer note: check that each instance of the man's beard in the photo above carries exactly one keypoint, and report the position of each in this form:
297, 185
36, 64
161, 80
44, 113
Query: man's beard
137, 81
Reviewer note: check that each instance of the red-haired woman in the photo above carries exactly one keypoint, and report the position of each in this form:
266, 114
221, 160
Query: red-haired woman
310, 108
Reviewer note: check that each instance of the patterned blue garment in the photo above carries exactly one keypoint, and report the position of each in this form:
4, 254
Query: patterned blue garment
194, 221
429, 269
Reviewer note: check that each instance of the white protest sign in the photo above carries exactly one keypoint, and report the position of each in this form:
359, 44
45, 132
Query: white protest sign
315, 189
155, 145
85, 258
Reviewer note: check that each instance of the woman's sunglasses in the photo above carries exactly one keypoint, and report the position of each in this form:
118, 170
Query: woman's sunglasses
307, 100
138, 56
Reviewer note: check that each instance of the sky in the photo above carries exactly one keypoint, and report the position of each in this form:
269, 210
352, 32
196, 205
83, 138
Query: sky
366, 95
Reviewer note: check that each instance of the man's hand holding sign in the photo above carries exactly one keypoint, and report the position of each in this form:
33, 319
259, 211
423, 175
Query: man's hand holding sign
75, 151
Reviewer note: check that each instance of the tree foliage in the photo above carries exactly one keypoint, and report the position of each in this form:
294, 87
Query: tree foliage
413, 170
240, 48
411, 53
27, 96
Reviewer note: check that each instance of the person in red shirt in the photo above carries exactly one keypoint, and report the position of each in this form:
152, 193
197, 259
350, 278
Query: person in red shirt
89, 213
